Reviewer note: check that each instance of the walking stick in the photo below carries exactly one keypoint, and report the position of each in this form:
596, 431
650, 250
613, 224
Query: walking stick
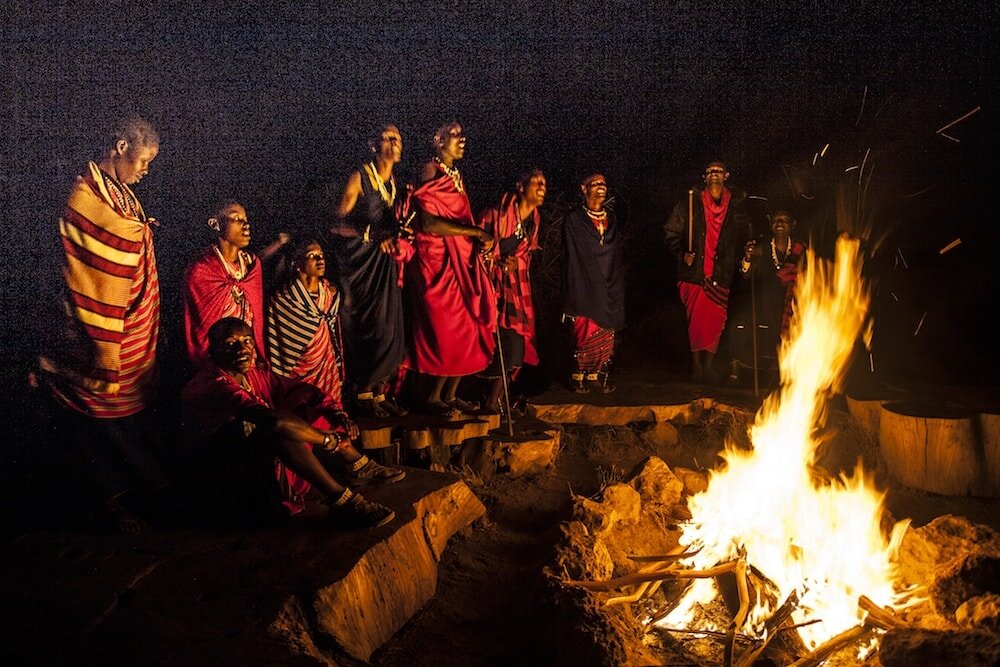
690, 220
506, 390
753, 324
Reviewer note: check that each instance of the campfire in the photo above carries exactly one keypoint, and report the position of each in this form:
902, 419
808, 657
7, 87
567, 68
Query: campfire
798, 555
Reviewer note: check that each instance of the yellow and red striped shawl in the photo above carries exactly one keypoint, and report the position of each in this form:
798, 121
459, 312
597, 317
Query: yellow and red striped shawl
105, 235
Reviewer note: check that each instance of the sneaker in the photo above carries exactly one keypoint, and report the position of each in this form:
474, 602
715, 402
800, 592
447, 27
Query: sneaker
372, 472
360, 513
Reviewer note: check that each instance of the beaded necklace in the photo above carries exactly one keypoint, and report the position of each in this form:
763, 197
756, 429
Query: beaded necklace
600, 219
454, 174
784, 255
126, 201
388, 194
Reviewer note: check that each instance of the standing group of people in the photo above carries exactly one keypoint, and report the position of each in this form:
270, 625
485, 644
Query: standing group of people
706, 234
422, 285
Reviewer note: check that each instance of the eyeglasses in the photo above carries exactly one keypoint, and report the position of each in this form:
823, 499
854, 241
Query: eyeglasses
315, 256
709, 172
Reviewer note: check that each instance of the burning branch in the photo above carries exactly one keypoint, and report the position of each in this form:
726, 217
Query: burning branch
846, 638
743, 589
771, 628
656, 575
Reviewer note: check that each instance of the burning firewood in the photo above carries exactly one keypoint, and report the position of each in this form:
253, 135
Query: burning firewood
848, 637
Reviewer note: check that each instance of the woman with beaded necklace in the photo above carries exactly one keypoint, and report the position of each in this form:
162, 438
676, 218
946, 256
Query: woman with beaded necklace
368, 248
453, 304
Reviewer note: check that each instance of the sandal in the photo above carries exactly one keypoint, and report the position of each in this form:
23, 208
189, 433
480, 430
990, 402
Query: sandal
439, 409
390, 406
369, 404
578, 384
463, 405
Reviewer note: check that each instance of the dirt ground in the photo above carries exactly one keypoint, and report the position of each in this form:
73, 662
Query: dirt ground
492, 604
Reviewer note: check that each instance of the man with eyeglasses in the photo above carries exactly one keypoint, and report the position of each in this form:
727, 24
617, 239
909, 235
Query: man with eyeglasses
704, 233
593, 284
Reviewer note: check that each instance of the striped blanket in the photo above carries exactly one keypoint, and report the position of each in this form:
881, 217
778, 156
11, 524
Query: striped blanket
106, 363
304, 338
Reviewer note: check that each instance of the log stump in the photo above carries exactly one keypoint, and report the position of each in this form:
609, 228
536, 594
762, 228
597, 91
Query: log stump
933, 449
867, 413
989, 429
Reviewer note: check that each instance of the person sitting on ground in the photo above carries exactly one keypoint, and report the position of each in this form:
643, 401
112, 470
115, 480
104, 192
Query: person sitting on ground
250, 427
224, 281
367, 254
514, 225
303, 325
451, 299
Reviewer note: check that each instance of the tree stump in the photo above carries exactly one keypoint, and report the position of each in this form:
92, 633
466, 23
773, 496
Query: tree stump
989, 429
867, 413
932, 449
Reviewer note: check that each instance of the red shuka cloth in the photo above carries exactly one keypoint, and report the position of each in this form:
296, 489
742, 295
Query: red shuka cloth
453, 303
705, 317
208, 297
213, 398
517, 311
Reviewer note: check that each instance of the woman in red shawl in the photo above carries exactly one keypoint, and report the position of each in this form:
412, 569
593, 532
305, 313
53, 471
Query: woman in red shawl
224, 281
452, 302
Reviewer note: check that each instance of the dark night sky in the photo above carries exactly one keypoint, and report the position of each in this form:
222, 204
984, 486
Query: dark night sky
269, 103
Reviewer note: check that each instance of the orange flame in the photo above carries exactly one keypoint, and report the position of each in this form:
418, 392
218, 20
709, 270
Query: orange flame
816, 537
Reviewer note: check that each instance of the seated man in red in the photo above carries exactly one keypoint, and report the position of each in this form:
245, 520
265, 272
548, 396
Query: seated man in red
248, 425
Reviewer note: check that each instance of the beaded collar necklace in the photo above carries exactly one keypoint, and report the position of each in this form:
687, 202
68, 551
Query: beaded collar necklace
784, 255
453, 173
600, 219
388, 194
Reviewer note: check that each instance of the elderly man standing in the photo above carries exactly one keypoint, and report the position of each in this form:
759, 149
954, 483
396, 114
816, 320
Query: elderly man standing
593, 284
103, 367
705, 233
452, 300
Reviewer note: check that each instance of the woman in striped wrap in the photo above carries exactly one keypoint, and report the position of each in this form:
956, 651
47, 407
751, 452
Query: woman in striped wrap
101, 367
303, 325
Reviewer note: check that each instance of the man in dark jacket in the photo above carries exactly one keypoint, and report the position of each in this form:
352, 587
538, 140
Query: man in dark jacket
705, 234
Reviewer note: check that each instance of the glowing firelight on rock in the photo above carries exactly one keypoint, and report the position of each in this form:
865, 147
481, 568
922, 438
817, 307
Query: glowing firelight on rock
818, 538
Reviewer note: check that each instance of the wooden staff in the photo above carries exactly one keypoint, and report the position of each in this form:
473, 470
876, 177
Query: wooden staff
690, 220
753, 320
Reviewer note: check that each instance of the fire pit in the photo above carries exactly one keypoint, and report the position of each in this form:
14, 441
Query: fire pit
777, 559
